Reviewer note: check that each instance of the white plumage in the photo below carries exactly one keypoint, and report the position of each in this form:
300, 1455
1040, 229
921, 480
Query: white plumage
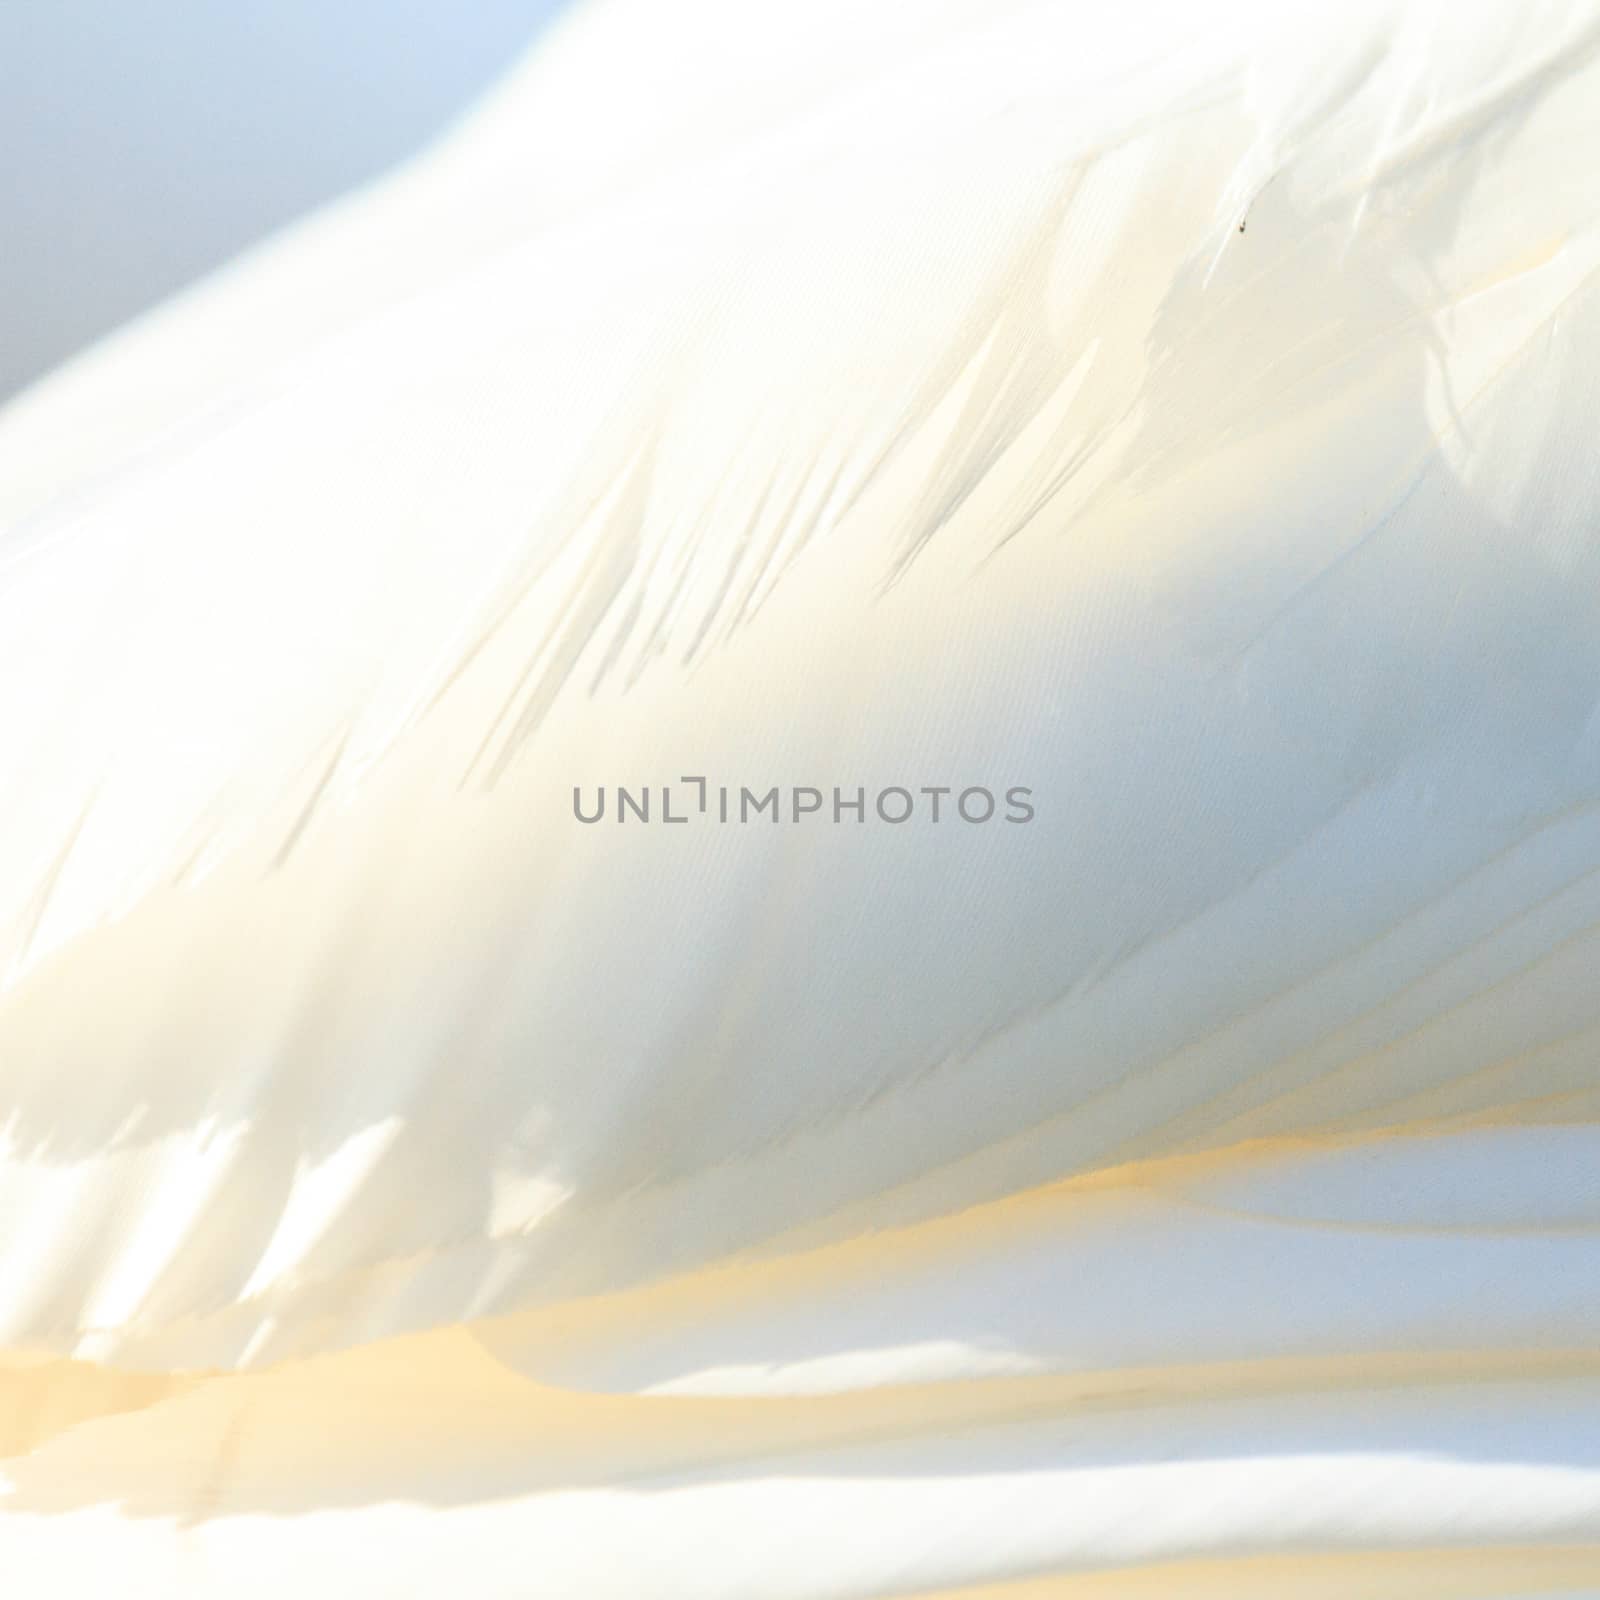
1185, 414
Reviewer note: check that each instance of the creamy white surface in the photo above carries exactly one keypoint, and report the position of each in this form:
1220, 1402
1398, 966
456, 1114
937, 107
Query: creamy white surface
1186, 413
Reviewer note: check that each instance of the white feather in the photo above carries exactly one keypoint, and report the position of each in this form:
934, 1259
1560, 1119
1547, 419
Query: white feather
1183, 413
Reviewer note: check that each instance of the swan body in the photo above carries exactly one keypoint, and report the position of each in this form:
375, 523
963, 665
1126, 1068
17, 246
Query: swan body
1182, 420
